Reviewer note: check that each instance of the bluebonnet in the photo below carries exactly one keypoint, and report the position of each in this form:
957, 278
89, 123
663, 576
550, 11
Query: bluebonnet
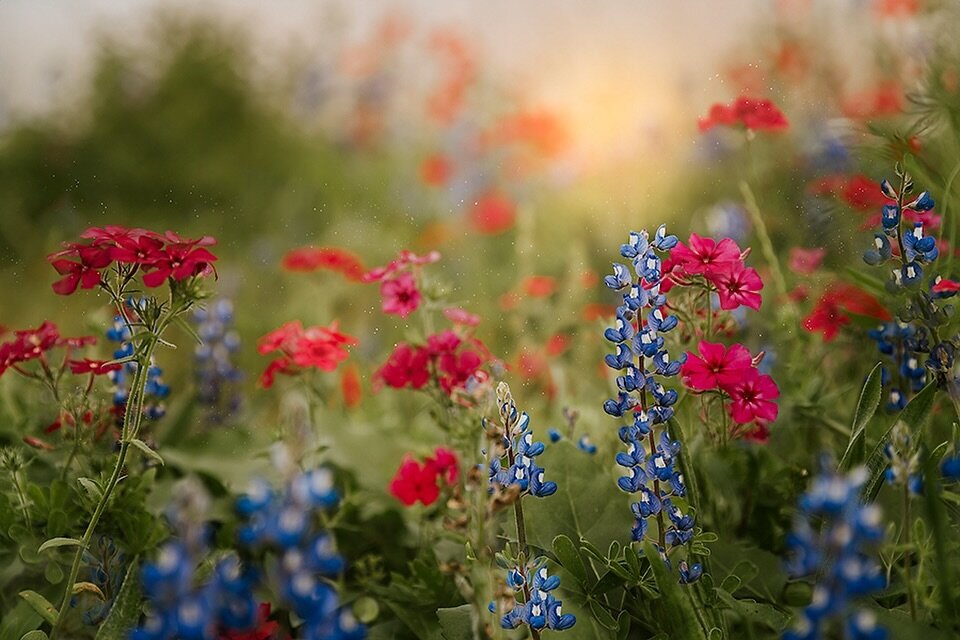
215, 373
179, 608
899, 341
903, 464
540, 608
156, 390
832, 537
301, 554
642, 362
520, 450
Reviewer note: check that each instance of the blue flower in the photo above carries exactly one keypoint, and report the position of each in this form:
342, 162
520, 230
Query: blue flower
832, 538
216, 375
540, 609
519, 451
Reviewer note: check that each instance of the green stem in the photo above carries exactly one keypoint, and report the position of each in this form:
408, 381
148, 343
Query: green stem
131, 427
766, 244
907, 574
22, 498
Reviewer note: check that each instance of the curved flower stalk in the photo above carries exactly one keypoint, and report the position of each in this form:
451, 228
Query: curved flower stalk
117, 260
643, 363
520, 476
838, 554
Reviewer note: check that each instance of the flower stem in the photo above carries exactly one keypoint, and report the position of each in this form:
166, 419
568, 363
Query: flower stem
907, 574
766, 244
131, 426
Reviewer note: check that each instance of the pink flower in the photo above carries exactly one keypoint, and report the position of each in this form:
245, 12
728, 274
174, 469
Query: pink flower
718, 367
462, 317
400, 295
704, 255
445, 463
752, 398
406, 366
806, 261
750, 113
738, 285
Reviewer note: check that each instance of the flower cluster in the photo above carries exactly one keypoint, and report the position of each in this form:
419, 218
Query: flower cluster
422, 481
832, 311
903, 462
30, 345
540, 608
158, 257
732, 372
901, 343
837, 554
179, 607
749, 113
718, 267
399, 289
300, 553
330, 258
216, 375
455, 362
517, 445
155, 391
303, 348
640, 360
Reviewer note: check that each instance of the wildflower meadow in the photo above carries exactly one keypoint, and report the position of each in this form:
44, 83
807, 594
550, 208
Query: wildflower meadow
374, 338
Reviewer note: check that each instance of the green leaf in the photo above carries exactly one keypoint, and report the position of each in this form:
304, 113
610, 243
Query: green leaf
914, 415
866, 407
57, 523
18, 619
92, 487
126, 607
366, 609
146, 450
587, 505
40, 604
53, 543
603, 616
569, 557
679, 616
36, 634
455, 623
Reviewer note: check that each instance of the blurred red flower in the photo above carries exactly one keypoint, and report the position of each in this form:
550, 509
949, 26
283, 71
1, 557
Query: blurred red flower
332, 258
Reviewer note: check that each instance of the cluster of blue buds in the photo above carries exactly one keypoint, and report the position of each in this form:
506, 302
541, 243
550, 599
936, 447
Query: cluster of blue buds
838, 554
642, 362
902, 343
520, 451
915, 248
178, 607
540, 609
285, 524
155, 392
216, 375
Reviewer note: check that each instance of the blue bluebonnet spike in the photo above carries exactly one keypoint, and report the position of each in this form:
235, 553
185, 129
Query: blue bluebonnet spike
923, 202
620, 277
636, 245
831, 539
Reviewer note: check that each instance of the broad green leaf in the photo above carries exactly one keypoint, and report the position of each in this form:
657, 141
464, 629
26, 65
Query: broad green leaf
678, 612
569, 557
91, 487
587, 504
40, 604
455, 623
146, 450
914, 415
603, 616
53, 543
19, 619
36, 634
126, 607
866, 407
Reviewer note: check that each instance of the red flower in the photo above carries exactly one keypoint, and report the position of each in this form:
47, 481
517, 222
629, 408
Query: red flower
404, 261
179, 262
946, 286
314, 347
753, 114
446, 464
331, 258
716, 366
406, 366
538, 286
826, 317
95, 367
435, 170
400, 295
806, 261
350, 386
703, 256
414, 482
752, 398
492, 213
85, 273
738, 285
264, 629
830, 312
